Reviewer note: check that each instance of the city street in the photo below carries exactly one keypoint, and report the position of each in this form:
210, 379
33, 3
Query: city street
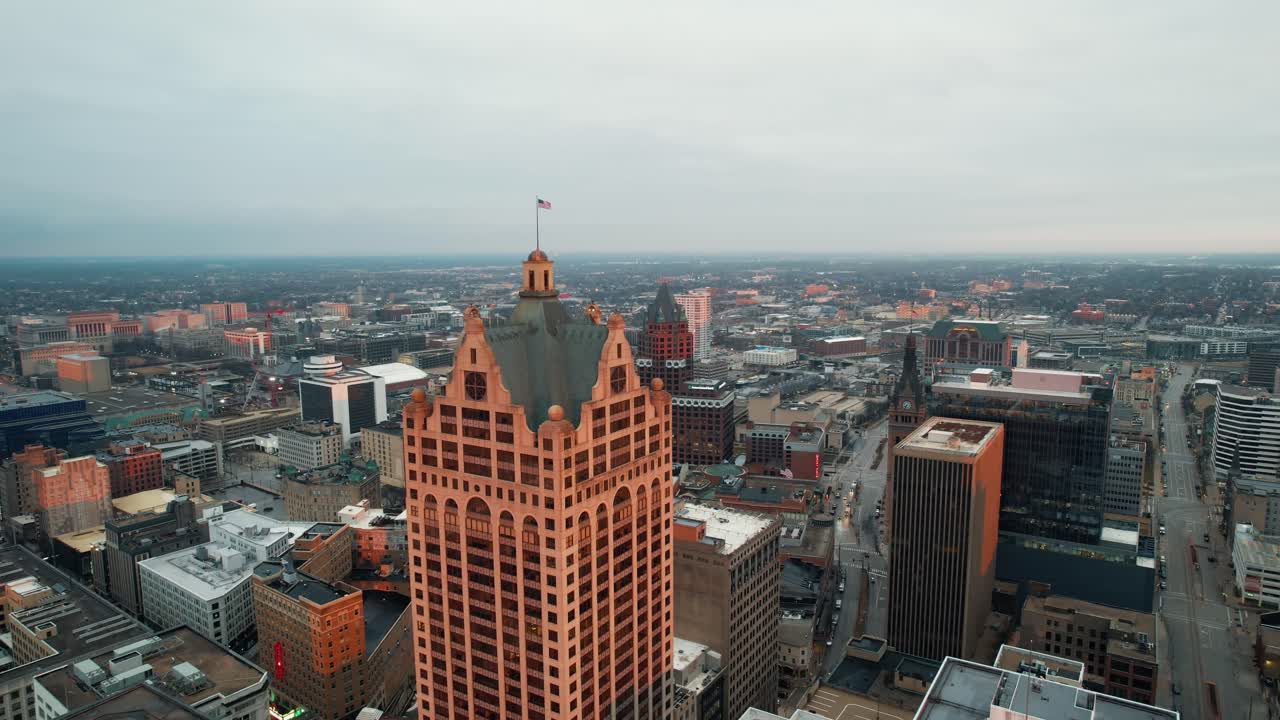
856, 542
1206, 640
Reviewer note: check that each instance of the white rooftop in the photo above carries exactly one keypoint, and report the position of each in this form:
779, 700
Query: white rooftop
844, 338
733, 527
395, 372
210, 578
686, 652
948, 435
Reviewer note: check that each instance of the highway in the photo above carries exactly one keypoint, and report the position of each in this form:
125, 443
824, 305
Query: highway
856, 541
1206, 639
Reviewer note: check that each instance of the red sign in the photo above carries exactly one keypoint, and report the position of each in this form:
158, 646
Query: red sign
279, 661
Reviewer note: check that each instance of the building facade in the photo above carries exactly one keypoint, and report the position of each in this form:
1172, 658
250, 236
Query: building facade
697, 311
310, 444
43, 359
1247, 431
218, 314
135, 538
1126, 465
1055, 448
1116, 646
72, 495
350, 399
246, 342
727, 597
968, 342
319, 494
133, 467
384, 444
81, 373
543, 450
666, 347
703, 421
206, 588
942, 548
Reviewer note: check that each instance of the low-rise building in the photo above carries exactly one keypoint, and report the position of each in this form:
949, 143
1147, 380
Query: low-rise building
968, 690
1116, 647
43, 359
72, 495
205, 587
51, 620
132, 539
699, 683
133, 467
310, 445
81, 373
200, 459
765, 356
1257, 566
180, 663
320, 493
236, 429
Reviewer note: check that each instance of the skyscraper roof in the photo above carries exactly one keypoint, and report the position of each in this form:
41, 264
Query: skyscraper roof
547, 358
664, 307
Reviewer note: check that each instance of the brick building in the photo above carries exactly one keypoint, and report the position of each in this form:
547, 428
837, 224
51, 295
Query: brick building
133, 466
71, 495
539, 490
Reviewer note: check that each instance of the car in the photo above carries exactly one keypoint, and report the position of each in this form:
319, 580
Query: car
839, 602
1162, 530
835, 619
1164, 585
841, 586
829, 642
1163, 560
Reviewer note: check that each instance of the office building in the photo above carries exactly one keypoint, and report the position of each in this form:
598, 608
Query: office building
205, 587
699, 683
165, 320
839, 347
1126, 465
71, 495
41, 331
199, 459
50, 418
942, 551
1246, 431
666, 346
19, 493
1116, 647
81, 373
246, 342
765, 356
384, 445
352, 399
333, 309
43, 359
180, 665
703, 419
372, 347
1057, 426
129, 540
968, 342
727, 597
1264, 367
697, 312
102, 328
712, 368
310, 444
1024, 685
218, 314
543, 446
49, 621
333, 648
232, 430
318, 494
133, 466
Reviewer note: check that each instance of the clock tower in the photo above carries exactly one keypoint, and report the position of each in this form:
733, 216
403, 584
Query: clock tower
907, 411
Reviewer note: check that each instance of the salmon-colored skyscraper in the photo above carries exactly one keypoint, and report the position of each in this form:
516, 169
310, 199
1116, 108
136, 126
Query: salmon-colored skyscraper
540, 511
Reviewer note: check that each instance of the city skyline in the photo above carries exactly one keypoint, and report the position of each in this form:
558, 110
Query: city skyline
836, 129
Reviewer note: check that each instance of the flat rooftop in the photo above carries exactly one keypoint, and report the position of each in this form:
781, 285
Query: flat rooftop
962, 386
207, 578
965, 438
21, 399
141, 701
226, 673
121, 400
381, 611
1014, 659
85, 622
733, 527
965, 690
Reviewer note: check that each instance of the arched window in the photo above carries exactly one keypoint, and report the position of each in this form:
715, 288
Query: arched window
475, 385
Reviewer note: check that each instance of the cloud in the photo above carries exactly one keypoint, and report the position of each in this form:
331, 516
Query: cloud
693, 127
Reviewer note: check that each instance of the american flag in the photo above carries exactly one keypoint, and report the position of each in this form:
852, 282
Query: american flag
543, 204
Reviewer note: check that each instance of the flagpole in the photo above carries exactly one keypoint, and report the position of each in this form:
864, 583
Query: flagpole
537, 229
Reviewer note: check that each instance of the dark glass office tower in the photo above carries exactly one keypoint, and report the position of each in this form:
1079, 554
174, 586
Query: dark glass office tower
1055, 447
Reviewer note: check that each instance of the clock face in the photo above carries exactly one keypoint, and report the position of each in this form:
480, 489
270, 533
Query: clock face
906, 404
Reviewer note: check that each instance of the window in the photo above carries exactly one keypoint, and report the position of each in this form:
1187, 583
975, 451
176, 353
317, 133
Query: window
618, 378
475, 385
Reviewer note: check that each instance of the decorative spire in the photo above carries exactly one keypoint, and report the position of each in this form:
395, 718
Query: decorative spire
539, 276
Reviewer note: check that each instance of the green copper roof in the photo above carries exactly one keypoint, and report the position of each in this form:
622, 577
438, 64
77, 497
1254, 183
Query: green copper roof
986, 329
547, 359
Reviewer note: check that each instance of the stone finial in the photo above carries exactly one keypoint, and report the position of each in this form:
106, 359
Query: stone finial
616, 322
419, 396
594, 313
472, 320
555, 413
657, 384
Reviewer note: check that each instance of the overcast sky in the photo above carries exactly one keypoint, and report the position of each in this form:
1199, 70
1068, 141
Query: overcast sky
131, 128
